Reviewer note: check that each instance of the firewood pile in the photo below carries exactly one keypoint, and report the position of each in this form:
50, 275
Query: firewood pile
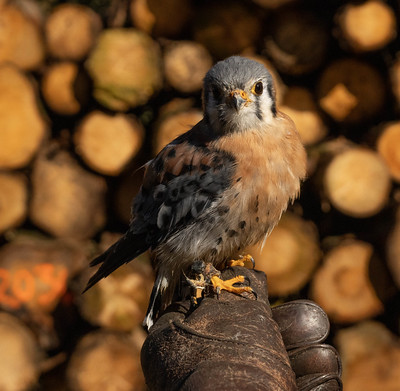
89, 93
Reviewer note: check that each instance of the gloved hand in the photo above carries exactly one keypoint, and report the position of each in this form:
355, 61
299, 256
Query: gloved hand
238, 343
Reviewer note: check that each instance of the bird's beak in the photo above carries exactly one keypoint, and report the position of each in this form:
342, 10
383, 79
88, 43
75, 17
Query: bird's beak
238, 98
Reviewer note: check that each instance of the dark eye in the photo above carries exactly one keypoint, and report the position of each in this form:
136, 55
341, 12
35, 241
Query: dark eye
258, 88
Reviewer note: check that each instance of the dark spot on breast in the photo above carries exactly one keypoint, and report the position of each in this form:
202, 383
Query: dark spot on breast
204, 167
242, 224
223, 210
172, 153
257, 219
232, 233
219, 241
211, 219
213, 252
186, 168
235, 196
256, 204
239, 179
216, 160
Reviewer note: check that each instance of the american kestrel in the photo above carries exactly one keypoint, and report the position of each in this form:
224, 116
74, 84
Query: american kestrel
216, 189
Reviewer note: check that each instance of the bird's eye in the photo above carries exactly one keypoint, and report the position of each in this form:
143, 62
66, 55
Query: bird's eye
258, 88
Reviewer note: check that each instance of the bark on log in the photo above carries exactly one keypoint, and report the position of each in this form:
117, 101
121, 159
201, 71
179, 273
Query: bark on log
107, 143
367, 26
185, 65
341, 286
67, 201
22, 127
21, 41
20, 355
125, 66
71, 30
107, 361
357, 182
13, 200
344, 94
289, 256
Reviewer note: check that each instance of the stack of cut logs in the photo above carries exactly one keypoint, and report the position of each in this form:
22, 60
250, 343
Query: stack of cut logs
89, 93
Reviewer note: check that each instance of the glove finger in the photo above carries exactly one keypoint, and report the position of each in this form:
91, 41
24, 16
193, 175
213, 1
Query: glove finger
324, 382
315, 359
301, 323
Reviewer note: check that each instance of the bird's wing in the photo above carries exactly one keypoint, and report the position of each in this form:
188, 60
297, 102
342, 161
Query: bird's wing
178, 187
179, 184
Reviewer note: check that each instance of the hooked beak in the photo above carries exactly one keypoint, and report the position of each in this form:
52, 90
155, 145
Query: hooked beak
237, 99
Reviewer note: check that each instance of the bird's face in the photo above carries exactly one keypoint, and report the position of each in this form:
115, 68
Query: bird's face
238, 95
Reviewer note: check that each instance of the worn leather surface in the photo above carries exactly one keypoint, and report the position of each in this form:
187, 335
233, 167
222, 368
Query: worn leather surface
237, 343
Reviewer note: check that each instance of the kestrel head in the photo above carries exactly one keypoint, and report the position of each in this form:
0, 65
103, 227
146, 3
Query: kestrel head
238, 95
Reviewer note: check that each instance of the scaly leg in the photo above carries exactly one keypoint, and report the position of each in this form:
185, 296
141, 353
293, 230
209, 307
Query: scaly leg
228, 285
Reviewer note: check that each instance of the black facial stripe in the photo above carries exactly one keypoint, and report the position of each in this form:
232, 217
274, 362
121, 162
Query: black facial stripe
272, 96
258, 109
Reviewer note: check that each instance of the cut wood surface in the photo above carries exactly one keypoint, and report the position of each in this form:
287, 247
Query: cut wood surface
388, 147
125, 66
13, 200
297, 41
357, 182
108, 142
371, 357
106, 361
22, 126
289, 256
59, 88
67, 201
367, 26
344, 94
298, 103
34, 272
393, 249
165, 18
174, 125
21, 41
341, 286
120, 301
20, 356
185, 65
71, 31
394, 72
220, 28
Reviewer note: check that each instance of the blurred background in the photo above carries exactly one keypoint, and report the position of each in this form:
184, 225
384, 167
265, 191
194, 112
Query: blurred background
89, 91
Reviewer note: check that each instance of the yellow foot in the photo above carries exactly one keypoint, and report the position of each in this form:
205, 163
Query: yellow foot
228, 285
241, 261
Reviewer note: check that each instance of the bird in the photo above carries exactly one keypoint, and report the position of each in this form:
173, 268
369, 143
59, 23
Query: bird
216, 189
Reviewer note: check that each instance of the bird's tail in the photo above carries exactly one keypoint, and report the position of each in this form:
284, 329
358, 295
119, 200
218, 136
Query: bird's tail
124, 250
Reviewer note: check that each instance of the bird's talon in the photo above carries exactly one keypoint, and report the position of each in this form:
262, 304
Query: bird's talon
228, 285
242, 261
